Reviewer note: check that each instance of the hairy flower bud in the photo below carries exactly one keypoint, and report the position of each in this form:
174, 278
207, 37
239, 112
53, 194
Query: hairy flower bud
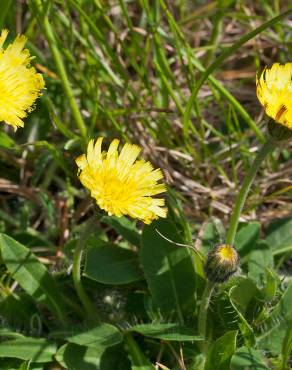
222, 262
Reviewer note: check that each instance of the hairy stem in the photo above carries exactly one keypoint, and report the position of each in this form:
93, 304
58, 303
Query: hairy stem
267, 147
91, 311
203, 312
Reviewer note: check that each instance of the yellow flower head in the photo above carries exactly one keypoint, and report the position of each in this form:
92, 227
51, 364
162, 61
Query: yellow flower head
20, 84
274, 91
121, 184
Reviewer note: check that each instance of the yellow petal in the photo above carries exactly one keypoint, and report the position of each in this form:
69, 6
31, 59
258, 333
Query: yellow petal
274, 91
121, 184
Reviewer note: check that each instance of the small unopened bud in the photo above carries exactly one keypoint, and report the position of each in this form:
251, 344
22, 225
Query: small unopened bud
222, 262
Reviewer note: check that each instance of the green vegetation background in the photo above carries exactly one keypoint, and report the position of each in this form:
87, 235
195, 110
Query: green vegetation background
127, 69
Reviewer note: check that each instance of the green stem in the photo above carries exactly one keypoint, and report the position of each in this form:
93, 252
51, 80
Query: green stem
137, 357
61, 69
91, 311
286, 350
203, 312
267, 147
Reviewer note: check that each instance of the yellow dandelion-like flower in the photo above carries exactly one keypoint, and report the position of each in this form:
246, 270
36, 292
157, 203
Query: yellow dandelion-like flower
274, 91
20, 84
121, 184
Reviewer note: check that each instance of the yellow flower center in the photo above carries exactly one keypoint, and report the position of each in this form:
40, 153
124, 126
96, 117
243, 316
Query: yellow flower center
226, 253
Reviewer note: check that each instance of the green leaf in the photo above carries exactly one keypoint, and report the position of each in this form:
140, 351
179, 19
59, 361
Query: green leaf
115, 358
74, 357
248, 358
259, 259
7, 333
243, 293
30, 274
34, 349
124, 227
110, 264
18, 309
287, 347
240, 296
275, 326
221, 351
169, 331
103, 335
269, 290
246, 238
6, 141
168, 268
279, 233
284, 250
177, 215
212, 233
138, 359
10, 363
27, 365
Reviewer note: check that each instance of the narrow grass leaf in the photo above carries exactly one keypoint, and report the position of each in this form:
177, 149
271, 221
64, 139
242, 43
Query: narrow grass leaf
226, 53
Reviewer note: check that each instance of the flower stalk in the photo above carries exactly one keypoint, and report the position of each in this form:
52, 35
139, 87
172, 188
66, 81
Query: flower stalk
91, 311
267, 147
203, 312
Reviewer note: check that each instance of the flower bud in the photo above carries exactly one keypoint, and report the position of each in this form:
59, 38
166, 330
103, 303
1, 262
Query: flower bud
222, 262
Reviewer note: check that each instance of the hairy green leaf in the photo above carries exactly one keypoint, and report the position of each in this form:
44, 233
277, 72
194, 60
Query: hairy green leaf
248, 358
221, 351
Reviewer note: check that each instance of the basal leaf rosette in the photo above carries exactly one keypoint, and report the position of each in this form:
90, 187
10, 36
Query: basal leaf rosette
121, 184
